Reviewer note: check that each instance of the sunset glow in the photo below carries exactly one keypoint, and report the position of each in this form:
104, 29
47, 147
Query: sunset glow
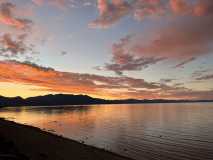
112, 49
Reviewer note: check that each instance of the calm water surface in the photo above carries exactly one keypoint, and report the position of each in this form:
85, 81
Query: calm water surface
142, 131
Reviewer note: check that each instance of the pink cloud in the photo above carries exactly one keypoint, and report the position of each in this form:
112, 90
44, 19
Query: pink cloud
123, 60
110, 12
184, 41
7, 17
38, 2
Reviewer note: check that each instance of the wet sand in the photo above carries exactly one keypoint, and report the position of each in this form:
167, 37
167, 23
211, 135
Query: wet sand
22, 142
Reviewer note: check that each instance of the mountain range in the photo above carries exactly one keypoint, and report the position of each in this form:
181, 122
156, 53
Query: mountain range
69, 99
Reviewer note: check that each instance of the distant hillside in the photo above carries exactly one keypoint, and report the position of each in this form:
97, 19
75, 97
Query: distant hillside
16, 101
64, 99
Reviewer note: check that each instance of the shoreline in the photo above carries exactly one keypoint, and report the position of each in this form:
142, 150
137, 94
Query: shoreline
24, 142
80, 105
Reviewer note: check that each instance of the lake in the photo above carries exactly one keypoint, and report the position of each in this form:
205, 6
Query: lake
139, 131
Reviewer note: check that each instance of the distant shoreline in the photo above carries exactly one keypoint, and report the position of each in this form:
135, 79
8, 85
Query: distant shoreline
31, 143
80, 105
65, 99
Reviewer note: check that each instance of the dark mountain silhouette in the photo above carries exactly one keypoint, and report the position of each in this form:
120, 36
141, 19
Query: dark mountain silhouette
15, 101
65, 99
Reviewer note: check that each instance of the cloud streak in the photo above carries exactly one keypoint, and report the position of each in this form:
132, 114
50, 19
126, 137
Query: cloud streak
99, 86
61, 4
205, 77
182, 64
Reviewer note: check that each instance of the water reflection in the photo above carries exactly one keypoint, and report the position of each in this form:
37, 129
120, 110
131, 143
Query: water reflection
174, 131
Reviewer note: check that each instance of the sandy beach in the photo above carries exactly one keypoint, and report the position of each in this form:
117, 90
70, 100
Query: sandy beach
22, 142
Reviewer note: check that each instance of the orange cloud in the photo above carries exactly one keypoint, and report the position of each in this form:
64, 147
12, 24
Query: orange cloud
203, 7
179, 6
99, 86
200, 8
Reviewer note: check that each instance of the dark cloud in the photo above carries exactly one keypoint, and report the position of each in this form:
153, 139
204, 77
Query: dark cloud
63, 53
205, 77
98, 68
167, 80
124, 60
182, 64
14, 46
133, 64
200, 73
31, 64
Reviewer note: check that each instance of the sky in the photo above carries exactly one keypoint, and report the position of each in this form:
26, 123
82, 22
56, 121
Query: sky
112, 49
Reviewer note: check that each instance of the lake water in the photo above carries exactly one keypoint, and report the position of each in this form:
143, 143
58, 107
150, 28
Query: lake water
142, 131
